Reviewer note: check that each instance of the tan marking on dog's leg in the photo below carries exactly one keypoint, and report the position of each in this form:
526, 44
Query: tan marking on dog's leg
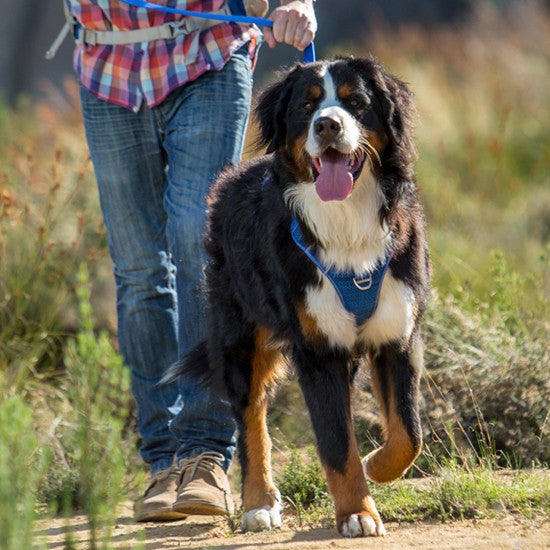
350, 492
397, 454
258, 487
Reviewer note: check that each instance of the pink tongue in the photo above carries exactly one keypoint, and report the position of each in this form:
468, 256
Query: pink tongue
335, 181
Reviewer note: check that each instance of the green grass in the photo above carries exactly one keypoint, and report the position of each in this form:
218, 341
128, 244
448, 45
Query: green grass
22, 464
454, 492
99, 389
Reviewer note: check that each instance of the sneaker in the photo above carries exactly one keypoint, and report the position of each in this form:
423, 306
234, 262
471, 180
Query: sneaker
156, 503
204, 488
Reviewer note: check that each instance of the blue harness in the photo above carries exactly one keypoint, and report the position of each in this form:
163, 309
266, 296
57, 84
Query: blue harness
358, 292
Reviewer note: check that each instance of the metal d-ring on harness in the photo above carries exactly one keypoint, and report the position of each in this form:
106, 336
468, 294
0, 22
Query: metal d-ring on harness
163, 31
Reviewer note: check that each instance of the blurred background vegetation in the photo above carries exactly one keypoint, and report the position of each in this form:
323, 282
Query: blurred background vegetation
480, 73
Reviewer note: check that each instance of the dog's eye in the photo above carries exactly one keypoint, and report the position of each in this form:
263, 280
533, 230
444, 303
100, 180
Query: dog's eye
357, 102
308, 106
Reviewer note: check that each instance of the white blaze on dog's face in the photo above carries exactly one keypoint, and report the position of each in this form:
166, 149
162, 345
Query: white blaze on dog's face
331, 123
345, 133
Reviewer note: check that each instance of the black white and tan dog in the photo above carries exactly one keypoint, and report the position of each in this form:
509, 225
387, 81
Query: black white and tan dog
318, 259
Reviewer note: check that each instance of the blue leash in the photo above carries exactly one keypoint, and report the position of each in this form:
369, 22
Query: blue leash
309, 52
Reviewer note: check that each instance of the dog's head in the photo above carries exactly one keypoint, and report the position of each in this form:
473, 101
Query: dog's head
332, 121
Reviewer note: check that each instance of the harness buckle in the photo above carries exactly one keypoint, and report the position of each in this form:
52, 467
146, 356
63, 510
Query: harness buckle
364, 282
177, 27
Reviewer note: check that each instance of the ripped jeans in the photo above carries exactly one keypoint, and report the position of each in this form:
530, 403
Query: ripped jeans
153, 171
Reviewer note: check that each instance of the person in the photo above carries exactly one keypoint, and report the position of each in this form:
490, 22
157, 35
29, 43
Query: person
165, 101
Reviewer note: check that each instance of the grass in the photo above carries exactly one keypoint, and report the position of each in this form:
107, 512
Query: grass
22, 464
484, 142
99, 389
456, 494
453, 492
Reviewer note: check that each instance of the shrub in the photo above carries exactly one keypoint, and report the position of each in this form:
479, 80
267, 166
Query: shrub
22, 464
99, 391
302, 483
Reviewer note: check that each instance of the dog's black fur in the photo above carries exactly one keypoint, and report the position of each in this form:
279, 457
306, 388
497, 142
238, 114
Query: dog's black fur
258, 280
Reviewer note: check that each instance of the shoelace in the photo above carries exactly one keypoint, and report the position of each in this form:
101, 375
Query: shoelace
203, 461
161, 476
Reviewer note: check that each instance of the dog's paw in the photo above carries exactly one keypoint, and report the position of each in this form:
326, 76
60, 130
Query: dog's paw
358, 525
262, 519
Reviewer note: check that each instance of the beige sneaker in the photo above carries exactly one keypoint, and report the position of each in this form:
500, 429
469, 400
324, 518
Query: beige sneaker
156, 503
204, 488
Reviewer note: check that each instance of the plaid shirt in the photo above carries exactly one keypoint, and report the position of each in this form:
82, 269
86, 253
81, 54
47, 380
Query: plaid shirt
147, 72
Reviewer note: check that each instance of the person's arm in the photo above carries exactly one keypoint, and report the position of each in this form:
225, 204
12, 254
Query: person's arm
294, 23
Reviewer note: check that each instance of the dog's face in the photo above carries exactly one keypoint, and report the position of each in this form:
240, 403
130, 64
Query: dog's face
332, 121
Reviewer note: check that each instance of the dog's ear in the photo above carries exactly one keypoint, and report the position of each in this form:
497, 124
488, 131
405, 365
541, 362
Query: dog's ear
271, 111
398, 107
393, 102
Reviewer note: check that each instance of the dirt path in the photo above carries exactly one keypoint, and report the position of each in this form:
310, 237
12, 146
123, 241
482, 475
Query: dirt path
202, 533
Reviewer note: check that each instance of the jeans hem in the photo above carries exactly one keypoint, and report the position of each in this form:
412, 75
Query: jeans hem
162, 464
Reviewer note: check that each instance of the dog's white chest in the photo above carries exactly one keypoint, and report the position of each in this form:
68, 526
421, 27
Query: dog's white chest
392, 320
353, 238
333, 320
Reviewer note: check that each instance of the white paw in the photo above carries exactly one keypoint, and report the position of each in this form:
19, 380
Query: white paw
362, 526
261, 519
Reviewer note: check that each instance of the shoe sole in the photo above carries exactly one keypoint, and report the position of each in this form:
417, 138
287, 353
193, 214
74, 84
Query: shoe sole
166, 514
198, 508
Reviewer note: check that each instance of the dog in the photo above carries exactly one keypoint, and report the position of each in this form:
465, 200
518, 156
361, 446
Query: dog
318, 258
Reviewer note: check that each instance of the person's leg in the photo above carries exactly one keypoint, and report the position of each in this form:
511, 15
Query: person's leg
130, 170
205, 128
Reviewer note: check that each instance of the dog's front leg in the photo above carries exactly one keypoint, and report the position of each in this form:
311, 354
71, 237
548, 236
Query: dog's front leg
395, 380
261, 499
326, 383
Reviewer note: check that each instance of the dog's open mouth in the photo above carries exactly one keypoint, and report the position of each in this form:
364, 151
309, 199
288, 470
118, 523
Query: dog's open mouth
334, 173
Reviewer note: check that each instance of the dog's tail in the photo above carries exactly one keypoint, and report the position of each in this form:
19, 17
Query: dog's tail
193, 365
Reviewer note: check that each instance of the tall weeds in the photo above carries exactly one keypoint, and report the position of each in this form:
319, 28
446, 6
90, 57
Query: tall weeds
99, 390
22, 464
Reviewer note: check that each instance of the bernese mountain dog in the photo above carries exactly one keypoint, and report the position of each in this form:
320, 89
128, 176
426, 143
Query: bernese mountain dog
318, 260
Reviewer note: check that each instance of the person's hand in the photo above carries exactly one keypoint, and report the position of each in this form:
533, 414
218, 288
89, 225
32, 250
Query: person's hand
293, 23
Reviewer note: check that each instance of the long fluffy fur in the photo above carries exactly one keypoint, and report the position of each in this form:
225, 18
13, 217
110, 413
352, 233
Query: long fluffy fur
266, 298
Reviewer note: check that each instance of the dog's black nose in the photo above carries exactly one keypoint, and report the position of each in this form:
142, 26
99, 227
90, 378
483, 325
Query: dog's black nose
327, 128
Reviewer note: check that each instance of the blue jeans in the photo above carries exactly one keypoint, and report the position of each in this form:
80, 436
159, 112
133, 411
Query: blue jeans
153, 171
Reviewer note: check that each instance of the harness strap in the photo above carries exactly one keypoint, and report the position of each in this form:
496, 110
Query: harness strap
358, 292
92, 37
309, 52
169, 30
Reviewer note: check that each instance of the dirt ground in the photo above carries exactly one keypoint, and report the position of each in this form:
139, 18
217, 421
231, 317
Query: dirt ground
508, 532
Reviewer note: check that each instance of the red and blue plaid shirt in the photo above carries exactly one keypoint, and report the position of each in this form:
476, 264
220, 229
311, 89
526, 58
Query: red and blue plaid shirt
131, 74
